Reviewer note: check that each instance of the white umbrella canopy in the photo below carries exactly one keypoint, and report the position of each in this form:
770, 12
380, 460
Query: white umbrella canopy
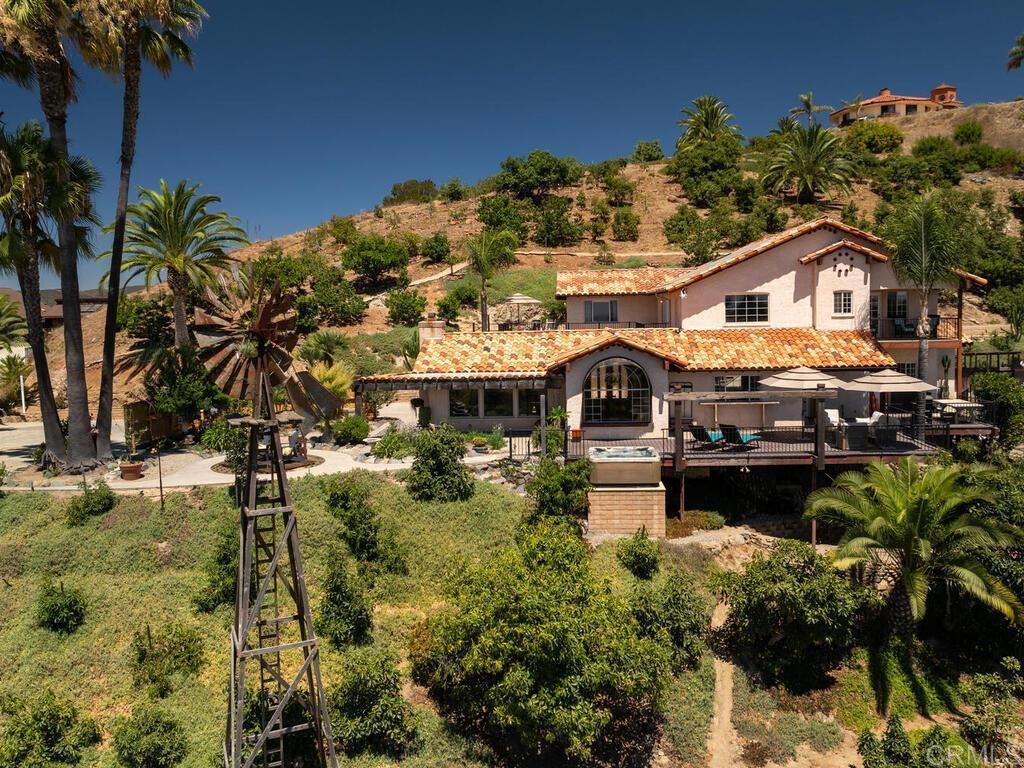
520, 298
886, 381
802, 377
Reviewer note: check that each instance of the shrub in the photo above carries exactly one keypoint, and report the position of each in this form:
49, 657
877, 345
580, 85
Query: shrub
792, 613
747, 192
351, 429
498, 212
994, 720
698, 236
896, 750
602, 215
334, 299
376, 260
94, 501
533, 646
345, 614
648, 152
405, 307
707, 171
220, 568
342, 229
1009, 302
968, 132
453, 190
553, 225
639, 555
536, 174
873, 136
558, 491
693, 520
146, 319
619, 191
411, 191
448, 308
625, 225
374, 546
1007, 396
220, 436
150, 738
181, 385
674, 613
496, 439
395, 443
43, 732
438, 473
436, 248
366, 706
156, 659
59, 609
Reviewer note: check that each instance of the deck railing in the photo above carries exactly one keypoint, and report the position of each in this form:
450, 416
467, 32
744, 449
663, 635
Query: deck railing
895, 328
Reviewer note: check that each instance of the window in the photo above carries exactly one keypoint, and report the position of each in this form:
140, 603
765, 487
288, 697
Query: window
746, 308
463, 403
666, 312
616, 391
896, 304
911, 109
907, 369
736, 383
842, 302
497, 402
873, 310
601, 311
529, 402
888, 109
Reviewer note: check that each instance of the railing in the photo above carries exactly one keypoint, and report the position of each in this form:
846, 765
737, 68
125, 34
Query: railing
523, 443
983, 362
906, 327
726, 440
553, 325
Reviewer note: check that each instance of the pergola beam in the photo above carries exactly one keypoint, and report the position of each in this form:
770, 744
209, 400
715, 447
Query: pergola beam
753, 397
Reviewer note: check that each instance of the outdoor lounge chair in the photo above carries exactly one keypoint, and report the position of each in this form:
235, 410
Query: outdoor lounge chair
734, 438
704, 438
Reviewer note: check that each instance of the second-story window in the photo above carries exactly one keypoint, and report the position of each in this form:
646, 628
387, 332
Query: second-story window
606, 311
842, 303
746, 308
896, 304
666, 312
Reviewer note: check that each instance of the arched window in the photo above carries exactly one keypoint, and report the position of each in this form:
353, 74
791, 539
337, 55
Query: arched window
616, 391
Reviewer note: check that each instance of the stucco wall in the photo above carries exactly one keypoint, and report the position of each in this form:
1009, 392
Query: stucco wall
637, 309
844, 270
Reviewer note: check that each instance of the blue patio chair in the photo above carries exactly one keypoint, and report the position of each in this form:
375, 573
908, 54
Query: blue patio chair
703, 437
734, 438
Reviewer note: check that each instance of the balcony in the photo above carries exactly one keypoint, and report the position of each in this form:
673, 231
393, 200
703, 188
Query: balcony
898, 328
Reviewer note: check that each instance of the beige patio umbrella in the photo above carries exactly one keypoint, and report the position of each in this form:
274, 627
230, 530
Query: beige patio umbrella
802, 377
520, 300
888, 381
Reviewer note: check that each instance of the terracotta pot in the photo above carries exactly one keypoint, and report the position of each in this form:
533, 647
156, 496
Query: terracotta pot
576, 434
131, 470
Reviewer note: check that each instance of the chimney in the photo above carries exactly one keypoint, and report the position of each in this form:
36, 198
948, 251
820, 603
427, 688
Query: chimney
431, 328
884, 92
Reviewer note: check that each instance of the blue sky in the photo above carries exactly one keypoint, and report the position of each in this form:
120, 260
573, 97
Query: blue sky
294, 118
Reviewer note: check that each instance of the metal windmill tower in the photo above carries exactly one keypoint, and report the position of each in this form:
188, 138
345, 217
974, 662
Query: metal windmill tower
277, 712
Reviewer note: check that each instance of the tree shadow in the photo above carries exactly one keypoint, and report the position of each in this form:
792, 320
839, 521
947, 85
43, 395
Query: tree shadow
878, 673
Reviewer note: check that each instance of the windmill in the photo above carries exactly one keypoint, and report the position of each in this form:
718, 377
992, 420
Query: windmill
245, 339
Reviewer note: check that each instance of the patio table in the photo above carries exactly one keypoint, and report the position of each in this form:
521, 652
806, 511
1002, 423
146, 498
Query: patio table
956, 406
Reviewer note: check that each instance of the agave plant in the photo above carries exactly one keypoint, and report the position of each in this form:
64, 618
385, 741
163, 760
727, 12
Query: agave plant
809, 161
920, 527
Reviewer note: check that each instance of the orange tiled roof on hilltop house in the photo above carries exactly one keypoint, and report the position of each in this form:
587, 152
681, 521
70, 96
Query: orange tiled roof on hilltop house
889, 104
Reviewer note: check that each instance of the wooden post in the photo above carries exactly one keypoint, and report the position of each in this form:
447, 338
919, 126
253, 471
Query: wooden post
358, 402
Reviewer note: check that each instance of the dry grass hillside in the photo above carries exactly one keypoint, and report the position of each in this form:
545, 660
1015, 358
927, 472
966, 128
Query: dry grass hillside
1002, 123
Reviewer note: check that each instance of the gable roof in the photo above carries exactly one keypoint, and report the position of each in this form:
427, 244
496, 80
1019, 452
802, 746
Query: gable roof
534, 354
848, 244
615, 282
765, 244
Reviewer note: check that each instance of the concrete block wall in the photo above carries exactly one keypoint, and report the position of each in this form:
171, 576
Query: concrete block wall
623, 509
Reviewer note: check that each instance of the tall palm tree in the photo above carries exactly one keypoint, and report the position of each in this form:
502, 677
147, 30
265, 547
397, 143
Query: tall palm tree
172, 232
784, 126
487, 254
809, 108
151, 31
925, 248
856, 104
38, 32
918, 526
12, 325
706, 121
1016, 56
809, 161
38, 188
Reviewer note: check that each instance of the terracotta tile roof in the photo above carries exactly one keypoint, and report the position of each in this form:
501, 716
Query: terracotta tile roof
615, 282
848, 244
887, 98
765, 244
532, 354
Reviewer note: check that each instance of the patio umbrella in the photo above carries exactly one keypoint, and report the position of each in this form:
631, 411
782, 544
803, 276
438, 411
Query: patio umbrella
888, 381
802, 377
520, 300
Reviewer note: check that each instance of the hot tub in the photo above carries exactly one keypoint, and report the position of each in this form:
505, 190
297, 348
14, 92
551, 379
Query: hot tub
625, 465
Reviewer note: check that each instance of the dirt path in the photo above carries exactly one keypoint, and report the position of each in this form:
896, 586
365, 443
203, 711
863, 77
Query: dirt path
722, 744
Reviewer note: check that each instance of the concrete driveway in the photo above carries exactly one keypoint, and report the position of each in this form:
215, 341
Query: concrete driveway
19, 440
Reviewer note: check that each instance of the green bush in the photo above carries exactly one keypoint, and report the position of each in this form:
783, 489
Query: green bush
537, 174
376, 260
708, 170
150, 738
157, 659
532, 646
351, 429
182, 386
411, 191
1007, 397
94, 501
334, 299
639, 554
619, 191
438, 473
558, 491
698, 236
994, 697
219, 436
342, 229
625, 225
291, 271
373, 545
496, 439
498, 212
895, 749
747, 192
60, 610
405, 307
43, 732
1009, 302
366, 706
873, 136
792, 614
436, 248
453, 191
395, 443
647, 152
553, 225
220, 568
345, 614
449, 307
146, 319
968, 132
674, 613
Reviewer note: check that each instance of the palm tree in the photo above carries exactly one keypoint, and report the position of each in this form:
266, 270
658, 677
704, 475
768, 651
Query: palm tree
150, 31
12, 325
707, 121
784, 126
1016, 56
488, 254
172, 232
856, 104
37, 188
809, 108
918, 526
925, 248
809, 161
324, 347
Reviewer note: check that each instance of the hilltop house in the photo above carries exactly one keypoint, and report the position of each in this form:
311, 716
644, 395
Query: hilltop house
670, 359
889, 104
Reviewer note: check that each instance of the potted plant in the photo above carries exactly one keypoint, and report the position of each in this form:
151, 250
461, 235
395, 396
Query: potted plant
131, 469
480, 444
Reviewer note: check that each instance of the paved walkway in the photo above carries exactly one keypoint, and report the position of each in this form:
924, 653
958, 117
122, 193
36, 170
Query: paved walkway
19, 439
